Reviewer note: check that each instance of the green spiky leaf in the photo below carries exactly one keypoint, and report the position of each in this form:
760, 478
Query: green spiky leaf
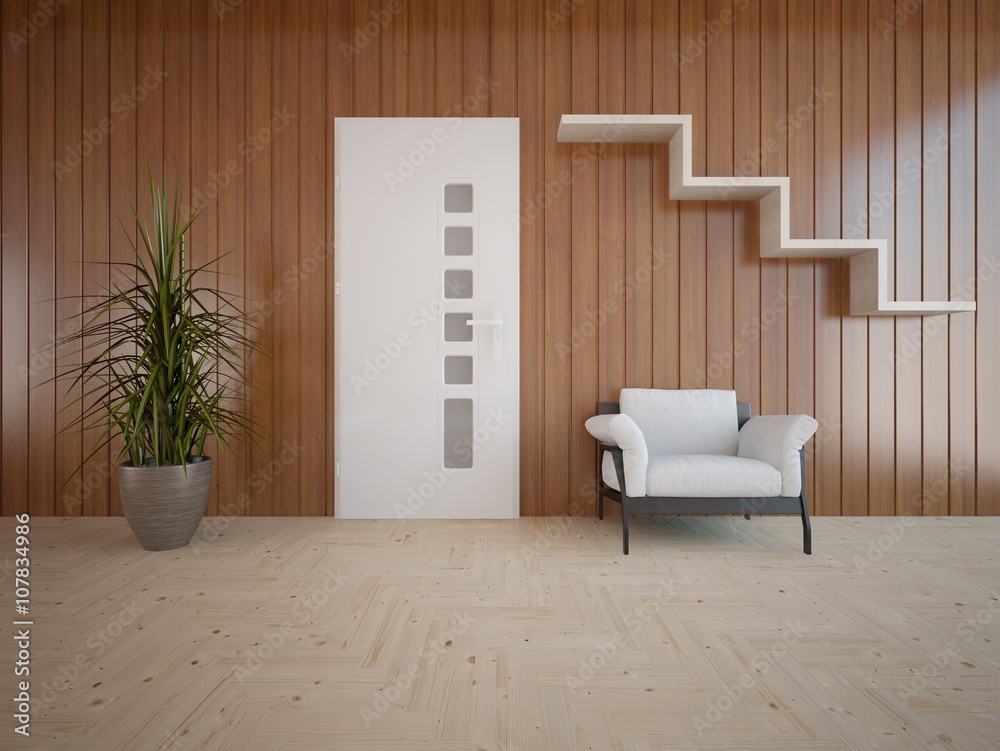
158, 367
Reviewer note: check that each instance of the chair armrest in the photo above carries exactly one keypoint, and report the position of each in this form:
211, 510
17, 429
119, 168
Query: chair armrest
621, 431
777, 439
600, 428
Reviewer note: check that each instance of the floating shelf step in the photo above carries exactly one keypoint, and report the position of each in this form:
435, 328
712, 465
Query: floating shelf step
869, 268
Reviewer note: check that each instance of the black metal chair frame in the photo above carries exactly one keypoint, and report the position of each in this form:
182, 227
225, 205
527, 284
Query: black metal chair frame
695, 506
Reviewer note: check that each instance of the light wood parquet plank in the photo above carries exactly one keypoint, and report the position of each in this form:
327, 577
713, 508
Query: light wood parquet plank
852, 731
952, 727
555, 652
986, 723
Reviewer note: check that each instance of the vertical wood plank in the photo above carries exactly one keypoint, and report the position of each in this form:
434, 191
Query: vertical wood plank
197, 122
611, 209
746, 214
719, 228
151, 74
395, 42
68, 248
312, 245
476, 51
530, 99
504, 44
639, 203
666, 219
448, 77
14, 276
421, 66
854, 200
909, 485
582, 346
772, 323
693, 214
803, 102
365, 59
558, 268
829, 276
285, 207
41, 52
962, 241
149, 58
230, 31
261, 271
935, 257
110, 99
3, 237
878, 222
177, 92
988, 228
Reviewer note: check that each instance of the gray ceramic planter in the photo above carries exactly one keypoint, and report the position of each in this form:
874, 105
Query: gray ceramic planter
162, 505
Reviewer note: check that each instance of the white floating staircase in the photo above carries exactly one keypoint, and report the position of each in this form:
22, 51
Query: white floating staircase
869, 269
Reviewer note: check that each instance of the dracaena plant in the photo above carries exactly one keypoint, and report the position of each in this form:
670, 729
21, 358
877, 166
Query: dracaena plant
160, 367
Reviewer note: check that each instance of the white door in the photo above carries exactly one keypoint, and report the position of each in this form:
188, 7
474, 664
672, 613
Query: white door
427, 318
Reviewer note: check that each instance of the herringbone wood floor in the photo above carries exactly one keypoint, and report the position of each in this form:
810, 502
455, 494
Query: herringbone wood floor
516, 635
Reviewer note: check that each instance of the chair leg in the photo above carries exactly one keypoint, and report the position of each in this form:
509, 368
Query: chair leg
624, 525
807, 539
600, 479
807, 543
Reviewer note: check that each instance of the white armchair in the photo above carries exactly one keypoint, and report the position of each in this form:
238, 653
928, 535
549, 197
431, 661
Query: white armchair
699, 452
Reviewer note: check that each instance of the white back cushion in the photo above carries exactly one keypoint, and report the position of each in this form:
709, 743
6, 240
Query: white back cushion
684, 421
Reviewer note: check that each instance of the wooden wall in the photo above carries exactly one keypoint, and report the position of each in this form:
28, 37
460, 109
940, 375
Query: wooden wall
872, 109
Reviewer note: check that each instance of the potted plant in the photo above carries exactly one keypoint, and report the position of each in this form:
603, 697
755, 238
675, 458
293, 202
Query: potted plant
163, 366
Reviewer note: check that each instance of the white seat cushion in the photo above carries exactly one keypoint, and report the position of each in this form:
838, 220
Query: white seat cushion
703, 476
684, 421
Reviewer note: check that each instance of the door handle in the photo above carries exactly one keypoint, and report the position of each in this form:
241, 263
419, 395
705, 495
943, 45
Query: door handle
496, 320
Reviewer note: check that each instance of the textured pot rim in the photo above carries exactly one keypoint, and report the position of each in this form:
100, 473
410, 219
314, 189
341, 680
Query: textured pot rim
201, 460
